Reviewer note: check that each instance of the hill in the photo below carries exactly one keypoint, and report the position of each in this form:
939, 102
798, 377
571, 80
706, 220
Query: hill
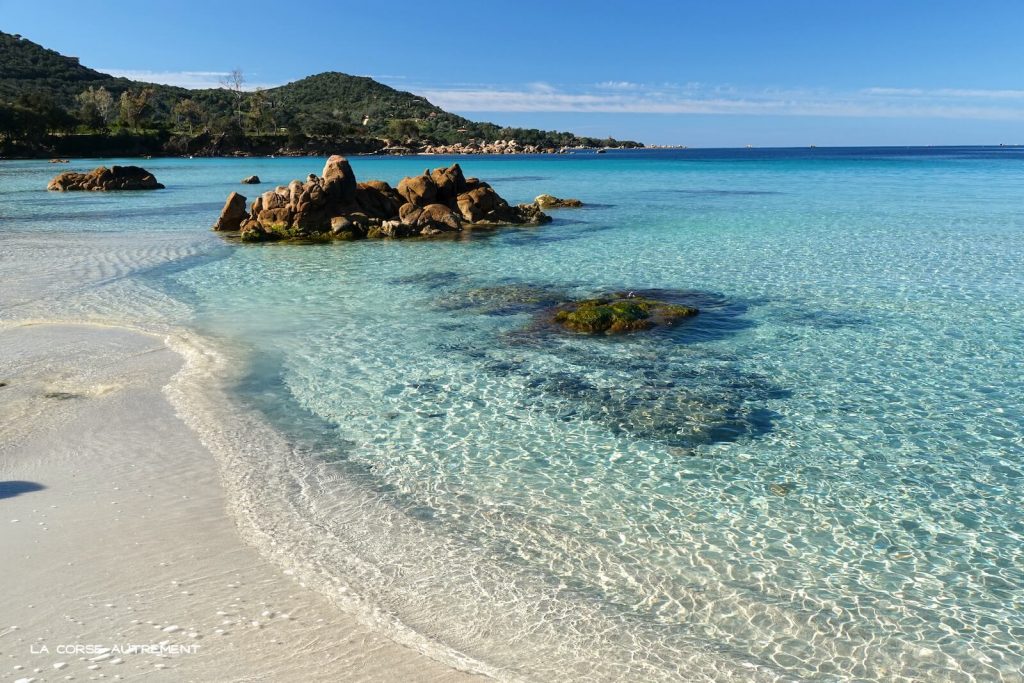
50, 103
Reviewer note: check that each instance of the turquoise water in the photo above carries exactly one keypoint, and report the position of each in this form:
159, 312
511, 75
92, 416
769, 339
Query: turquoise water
819, 477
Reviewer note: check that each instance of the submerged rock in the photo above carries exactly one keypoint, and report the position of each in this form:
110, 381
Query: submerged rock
103, 179
658, 399
509, 299
618, 313
251, 180
547, 201
334, 206
653, 386
433, 279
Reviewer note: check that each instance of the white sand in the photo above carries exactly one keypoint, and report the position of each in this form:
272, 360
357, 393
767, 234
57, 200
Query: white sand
113, 532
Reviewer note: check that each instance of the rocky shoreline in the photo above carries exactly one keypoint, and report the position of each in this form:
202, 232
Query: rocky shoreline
206, 144
496, 147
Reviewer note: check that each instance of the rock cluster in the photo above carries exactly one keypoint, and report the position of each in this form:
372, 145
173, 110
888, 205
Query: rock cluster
103, 179
335, 206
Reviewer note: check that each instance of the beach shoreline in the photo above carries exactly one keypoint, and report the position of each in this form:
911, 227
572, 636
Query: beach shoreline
120, 553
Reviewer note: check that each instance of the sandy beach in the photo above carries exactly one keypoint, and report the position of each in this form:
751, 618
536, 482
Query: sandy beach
119, 558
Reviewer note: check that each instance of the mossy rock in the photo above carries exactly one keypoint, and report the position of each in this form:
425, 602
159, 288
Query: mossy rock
619, 313
273, 232
347, 235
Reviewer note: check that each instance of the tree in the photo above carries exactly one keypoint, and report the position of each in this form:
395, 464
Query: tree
403, 129
323, 125
134, 106
49, 115
233, 81
260, 115
95, 107
189, 113
20, 124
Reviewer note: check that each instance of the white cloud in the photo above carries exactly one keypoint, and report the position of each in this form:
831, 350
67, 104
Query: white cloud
948, 92
696, 98
617, 85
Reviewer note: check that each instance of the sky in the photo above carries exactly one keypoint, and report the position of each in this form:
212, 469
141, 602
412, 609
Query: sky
713, 73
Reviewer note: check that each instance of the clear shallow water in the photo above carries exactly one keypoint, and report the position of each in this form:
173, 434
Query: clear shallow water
818, 477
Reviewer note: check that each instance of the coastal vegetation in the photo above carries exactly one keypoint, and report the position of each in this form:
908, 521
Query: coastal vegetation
50, 105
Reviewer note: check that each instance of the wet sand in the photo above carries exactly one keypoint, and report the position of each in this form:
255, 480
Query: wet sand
119, 559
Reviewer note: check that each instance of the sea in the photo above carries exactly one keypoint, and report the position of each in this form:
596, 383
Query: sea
818, 477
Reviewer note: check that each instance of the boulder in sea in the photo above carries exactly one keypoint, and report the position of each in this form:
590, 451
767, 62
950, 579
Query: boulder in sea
335, 206
104, 179
251, 180
233, 213
617, 313
547, 201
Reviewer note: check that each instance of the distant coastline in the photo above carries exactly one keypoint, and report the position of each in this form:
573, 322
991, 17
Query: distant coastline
120, 149
163, 144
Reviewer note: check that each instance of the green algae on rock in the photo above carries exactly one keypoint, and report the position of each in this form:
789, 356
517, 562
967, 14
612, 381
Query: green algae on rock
618, 313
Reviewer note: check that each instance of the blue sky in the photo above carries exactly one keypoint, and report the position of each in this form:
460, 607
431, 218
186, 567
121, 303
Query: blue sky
704, 74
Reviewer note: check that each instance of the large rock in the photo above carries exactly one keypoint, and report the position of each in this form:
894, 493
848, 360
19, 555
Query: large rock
103, 179
277, 199
418, 190
251, 180
339, 181
409, 212
310, 221
439, 218
482, 205
377, 198
479, 203
449, 183
233, 214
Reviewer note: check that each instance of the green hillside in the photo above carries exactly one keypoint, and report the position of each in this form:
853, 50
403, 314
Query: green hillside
25, 65
47, 98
